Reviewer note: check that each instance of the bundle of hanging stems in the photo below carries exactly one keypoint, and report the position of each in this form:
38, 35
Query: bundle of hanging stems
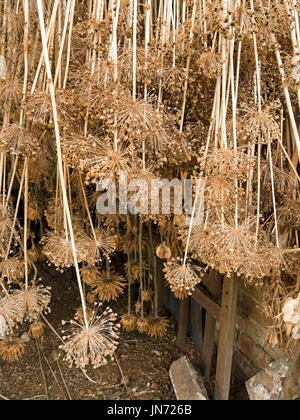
205, 90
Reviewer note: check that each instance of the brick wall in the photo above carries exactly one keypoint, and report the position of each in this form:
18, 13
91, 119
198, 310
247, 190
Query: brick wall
252, 353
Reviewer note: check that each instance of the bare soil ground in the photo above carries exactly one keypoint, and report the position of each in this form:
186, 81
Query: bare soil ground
142, 371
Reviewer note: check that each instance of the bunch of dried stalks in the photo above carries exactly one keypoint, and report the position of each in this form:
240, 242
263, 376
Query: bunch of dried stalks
157, 89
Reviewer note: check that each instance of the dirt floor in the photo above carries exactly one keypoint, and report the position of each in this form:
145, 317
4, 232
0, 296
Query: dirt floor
142, 371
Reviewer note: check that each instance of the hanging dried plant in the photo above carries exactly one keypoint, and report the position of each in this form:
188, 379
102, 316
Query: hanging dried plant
157, 327
109, 286
37, 329
182, 279
10, 312
128, 322
11, 349
210, 64
89, 274
142, 325
58, 249
93, 344
10, 91
32, 302
13, 269
17, 140
261, 126
105, 160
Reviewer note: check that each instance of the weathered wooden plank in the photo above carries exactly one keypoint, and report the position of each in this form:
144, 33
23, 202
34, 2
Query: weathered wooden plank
183, 321
214, 286
226, 338
207, 302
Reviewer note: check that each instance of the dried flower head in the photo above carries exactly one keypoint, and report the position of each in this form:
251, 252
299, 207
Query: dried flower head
210, 64
147, 295
104, 161
142, 325
128, 322
32, 302
109, 285
261, 126
157, 326
10, 91
140, 119
17, 140
89, 274
94, 343
58, 248
182, 279
13, 269
37, 329
10, 312
228, 163
104, 244
11, 349
234, 245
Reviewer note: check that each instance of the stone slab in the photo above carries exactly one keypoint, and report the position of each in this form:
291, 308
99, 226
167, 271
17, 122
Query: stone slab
188, 384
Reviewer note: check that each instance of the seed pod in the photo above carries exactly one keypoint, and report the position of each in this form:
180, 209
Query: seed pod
37, 330
163, 252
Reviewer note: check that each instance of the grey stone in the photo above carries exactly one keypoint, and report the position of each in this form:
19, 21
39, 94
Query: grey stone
187, 383
268, 384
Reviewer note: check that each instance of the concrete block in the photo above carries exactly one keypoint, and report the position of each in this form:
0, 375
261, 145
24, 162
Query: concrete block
188, 384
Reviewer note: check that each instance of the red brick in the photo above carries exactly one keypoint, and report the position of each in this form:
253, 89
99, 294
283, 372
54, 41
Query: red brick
255, 353
246, 366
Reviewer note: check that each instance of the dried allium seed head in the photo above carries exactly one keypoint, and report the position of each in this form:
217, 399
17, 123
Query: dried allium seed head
109, 286
11, 313
17, 140
11, 349
147, 295
210, 64
128, 322
93, 344
32, 302
103, 161
142, 325
182, 279
157, 326
89, 274
263, 126
58, 248
13, 269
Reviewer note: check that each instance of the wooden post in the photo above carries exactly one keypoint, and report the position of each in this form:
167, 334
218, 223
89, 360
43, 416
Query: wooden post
183, 321
214, 286
226, 338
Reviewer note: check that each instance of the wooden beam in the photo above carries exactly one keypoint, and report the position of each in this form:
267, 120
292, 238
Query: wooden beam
183, 321
226, 338
207, 302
